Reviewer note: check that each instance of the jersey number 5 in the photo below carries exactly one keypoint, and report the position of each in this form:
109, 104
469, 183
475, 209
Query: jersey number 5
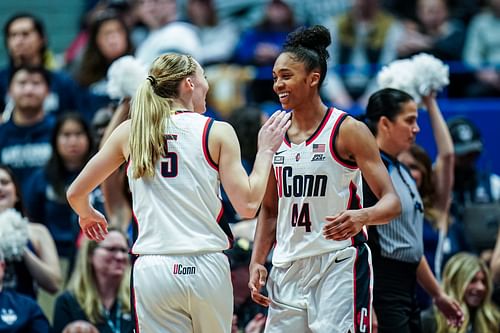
302, 218
169, 165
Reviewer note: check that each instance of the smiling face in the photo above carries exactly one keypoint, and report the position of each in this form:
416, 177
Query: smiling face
292, 83
110, 258
476, 290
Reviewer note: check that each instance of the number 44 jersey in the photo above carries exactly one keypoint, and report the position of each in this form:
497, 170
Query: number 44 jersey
313, 182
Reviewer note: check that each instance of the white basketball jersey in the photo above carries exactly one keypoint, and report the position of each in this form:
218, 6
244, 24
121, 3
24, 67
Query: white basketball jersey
313, 182
179, 209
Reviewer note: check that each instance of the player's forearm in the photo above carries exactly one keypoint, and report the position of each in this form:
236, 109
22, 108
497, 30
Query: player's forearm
385, 210
265, 236
258, 181
78, 198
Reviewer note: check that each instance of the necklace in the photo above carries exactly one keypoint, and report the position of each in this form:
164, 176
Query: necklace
114, 326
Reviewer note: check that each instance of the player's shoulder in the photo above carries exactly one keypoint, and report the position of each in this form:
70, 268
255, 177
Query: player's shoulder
222, 127
351, 126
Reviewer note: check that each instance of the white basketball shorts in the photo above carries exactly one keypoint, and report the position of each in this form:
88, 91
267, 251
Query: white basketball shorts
183, 293
328, 293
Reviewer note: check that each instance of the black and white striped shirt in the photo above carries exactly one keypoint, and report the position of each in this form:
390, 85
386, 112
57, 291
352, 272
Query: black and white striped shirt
402, 238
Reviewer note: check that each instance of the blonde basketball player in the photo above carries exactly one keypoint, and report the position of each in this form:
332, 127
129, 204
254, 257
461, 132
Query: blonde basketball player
321, 280
177, 157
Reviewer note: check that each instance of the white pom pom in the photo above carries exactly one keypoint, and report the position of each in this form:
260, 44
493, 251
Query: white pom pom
13, 234
399, 74
418, 76
124, 77
433, 74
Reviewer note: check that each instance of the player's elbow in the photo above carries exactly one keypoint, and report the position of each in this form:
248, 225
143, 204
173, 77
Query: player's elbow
396, 207
72, 194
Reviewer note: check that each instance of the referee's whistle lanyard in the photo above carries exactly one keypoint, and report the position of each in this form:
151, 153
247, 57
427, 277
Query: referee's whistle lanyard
114, 326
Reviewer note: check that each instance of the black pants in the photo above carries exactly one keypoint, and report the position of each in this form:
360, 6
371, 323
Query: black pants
394, 299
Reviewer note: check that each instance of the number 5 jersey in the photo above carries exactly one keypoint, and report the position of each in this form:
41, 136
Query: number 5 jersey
179, 211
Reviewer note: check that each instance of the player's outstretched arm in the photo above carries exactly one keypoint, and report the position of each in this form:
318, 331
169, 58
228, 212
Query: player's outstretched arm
246, 192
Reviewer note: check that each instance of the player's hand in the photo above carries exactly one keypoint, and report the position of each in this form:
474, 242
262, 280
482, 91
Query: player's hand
258, 277
344, 225
272, 132
450, 309
94, 226
256, 324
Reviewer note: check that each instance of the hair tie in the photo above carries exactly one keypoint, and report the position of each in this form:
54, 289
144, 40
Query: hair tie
152, 80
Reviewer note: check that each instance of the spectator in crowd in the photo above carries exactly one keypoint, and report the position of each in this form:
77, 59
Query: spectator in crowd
363, 39
108, 41
38, 265
476, 191
19, 313
97, 299
72, 146
218, 38
318, 11
27, 45
466, 279
397, 247
25, 137
495, 270
125, 9
260, 45
482, 52
471, 184
436, 33
407, 10
167, 34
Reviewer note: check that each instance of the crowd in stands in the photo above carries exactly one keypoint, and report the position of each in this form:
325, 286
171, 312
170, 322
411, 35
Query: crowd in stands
53, 117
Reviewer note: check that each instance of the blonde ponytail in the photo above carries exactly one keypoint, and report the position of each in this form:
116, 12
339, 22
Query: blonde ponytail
151, 108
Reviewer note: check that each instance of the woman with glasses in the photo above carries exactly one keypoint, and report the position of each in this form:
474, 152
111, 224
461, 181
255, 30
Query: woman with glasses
397, 247
98, 295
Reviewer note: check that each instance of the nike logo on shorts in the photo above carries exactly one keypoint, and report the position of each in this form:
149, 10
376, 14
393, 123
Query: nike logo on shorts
337, 260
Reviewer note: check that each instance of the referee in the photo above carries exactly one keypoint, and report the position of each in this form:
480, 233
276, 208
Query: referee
397, 247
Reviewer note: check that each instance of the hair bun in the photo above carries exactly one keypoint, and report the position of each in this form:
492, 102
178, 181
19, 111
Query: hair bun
316, 38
